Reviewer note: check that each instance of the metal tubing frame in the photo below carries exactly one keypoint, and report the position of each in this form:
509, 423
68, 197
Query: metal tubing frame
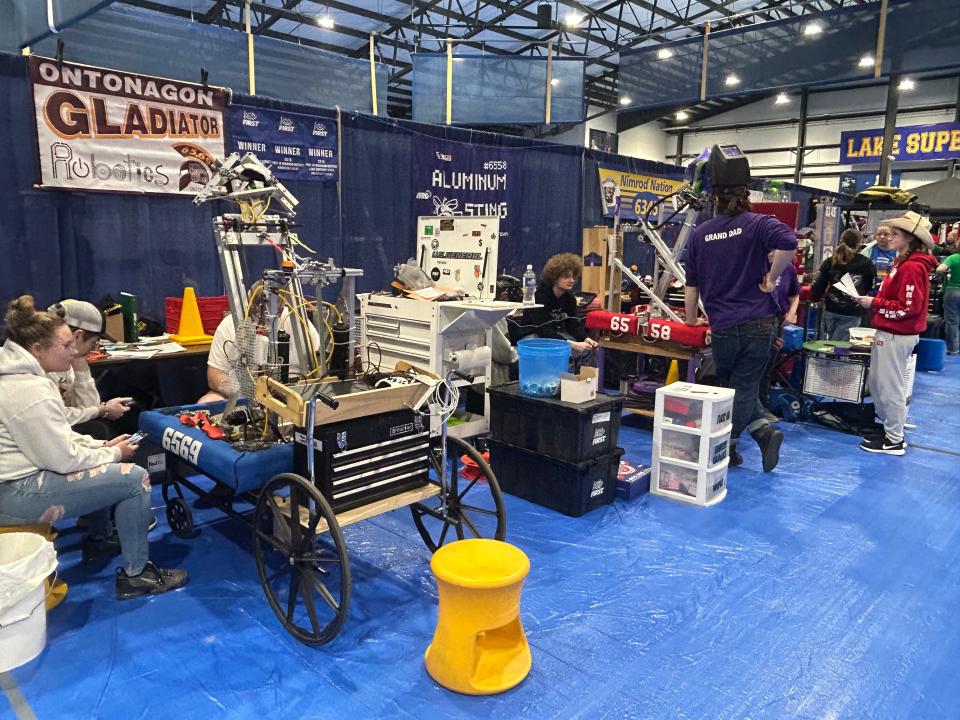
666, 309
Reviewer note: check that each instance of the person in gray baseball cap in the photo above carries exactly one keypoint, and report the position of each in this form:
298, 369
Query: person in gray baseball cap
80, 395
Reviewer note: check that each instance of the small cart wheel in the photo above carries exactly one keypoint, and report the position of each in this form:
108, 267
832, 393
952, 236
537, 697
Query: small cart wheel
180, 518
301, 559
471, 508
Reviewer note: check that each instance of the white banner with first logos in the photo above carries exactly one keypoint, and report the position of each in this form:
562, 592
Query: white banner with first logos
100, 129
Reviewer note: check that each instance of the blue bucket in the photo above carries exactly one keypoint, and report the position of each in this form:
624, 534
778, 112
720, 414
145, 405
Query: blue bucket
931, 353
541, 362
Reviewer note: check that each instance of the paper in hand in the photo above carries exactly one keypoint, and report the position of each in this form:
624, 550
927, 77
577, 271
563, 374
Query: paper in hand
847, 286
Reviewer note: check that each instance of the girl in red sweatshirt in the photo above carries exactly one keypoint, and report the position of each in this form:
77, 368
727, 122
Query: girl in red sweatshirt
899, 313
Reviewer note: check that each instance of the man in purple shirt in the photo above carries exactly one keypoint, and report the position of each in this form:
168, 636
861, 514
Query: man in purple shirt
728, 267
786, 293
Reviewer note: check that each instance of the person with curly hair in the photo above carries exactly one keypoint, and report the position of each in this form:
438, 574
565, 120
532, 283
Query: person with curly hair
48, 472
557, 315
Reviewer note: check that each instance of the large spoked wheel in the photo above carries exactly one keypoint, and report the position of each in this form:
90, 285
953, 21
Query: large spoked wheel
469, 508
303, 565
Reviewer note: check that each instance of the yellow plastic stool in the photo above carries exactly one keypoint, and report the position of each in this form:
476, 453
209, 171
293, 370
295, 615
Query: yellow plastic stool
479, 647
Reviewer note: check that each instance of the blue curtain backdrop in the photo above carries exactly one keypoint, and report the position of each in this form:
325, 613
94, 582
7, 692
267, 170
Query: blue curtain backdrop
71, 244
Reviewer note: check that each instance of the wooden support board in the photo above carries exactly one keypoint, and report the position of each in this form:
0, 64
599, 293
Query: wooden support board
596, 242
660, 348
365, 512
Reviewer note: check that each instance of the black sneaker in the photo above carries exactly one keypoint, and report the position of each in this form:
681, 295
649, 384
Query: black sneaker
769, 439
152, 581
884, 445
98, 548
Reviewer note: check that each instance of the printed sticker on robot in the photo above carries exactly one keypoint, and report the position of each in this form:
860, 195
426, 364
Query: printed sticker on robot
185, 446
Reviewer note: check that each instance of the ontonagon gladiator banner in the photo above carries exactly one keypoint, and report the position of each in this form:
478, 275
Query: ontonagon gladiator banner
100, 129
294, 146
638, 194
451, 178
910, 142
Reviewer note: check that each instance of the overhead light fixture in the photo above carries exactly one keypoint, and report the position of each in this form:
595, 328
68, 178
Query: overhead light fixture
906, 84
554, 81
326, 22
866, 61
573, 19
664, 54
683, 115
625, 101
544, 16
731, 80
812, 29
782, 99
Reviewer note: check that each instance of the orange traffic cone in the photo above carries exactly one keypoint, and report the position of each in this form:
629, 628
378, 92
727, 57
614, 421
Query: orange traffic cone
190, 330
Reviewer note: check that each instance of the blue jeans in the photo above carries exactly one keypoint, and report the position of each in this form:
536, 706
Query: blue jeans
741, 354
835, 326
951, 318
45, 497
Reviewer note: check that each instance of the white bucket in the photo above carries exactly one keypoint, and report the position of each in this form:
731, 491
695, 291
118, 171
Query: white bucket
23, 630
25, 561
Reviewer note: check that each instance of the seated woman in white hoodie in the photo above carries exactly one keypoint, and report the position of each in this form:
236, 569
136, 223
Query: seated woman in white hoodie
48, 472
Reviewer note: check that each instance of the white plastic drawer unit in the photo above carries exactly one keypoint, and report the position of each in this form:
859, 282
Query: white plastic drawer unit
694, 406
675, 442
686, 482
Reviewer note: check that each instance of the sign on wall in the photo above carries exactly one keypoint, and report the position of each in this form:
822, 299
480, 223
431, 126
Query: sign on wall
101, 129
911, 142
637, 194
452, 178
295, 146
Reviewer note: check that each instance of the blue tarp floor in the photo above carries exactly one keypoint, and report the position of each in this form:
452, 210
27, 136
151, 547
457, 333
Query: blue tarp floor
827, 589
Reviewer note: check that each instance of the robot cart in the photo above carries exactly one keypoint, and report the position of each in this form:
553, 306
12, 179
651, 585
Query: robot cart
298, 543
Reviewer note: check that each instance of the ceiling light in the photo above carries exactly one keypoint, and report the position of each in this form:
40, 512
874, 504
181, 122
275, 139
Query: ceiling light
573, 19
683, 115
866, 61
325, 21
664, 54
731, 80
782, 99
906, 84
554, 81
812, 29
625, 101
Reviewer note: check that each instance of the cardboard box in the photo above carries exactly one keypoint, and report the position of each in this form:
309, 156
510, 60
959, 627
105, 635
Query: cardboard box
632, 481
579, 388
115, 323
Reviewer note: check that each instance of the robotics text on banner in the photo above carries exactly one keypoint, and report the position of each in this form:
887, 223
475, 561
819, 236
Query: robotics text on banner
451, 178
100, 129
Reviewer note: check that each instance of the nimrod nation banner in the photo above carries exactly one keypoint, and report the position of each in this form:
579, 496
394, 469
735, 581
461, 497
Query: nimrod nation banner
111, 130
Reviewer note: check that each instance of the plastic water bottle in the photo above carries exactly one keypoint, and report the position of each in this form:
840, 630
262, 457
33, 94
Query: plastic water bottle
529, 286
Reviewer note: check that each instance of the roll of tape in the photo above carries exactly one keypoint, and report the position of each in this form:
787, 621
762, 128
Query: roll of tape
471, 358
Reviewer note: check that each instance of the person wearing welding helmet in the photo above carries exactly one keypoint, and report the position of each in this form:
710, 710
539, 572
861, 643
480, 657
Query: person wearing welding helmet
729, 270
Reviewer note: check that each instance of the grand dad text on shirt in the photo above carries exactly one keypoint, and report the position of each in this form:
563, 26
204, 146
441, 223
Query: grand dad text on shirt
723, 235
